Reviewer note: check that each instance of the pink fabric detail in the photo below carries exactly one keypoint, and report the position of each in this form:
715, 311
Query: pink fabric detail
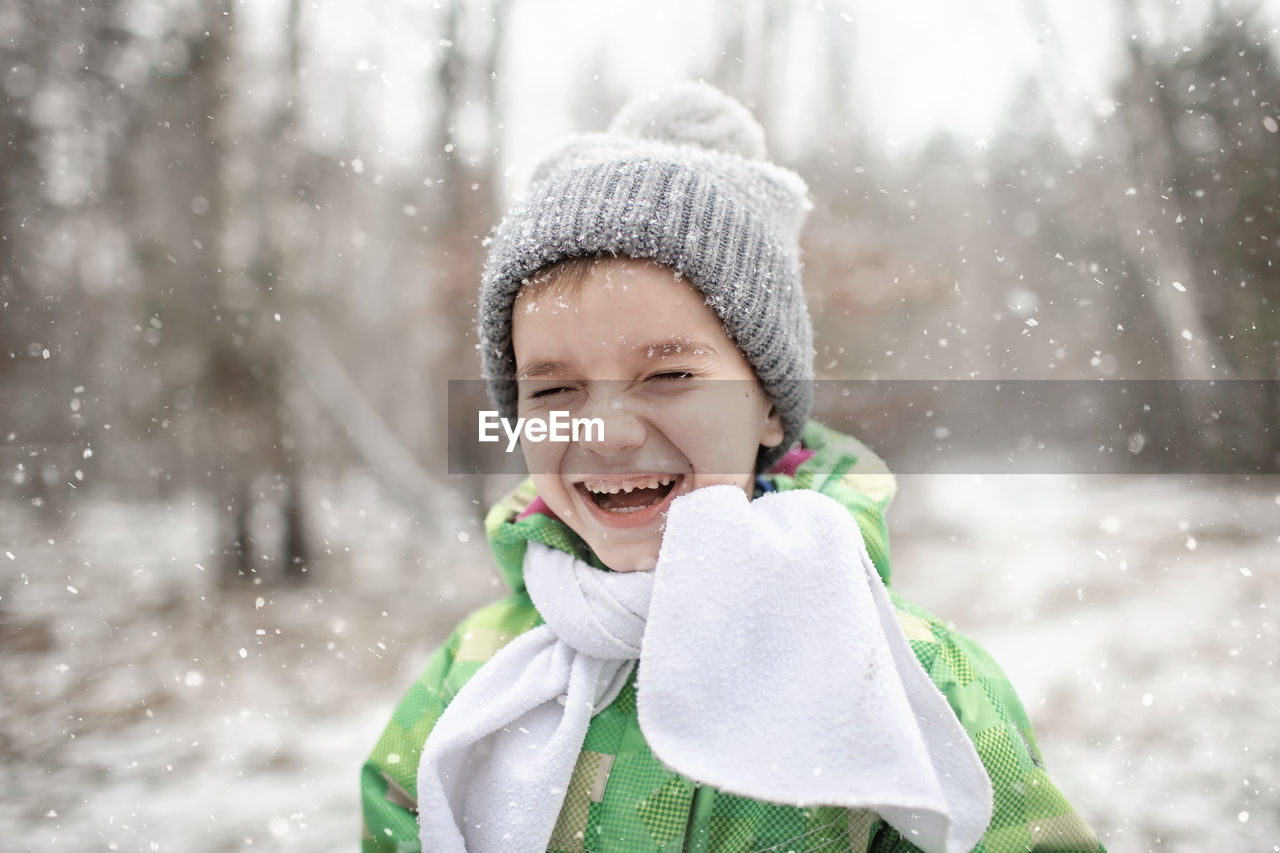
791, 460
538, 506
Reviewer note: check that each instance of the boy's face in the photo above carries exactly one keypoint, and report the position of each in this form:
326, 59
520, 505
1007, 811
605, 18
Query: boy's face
637, 348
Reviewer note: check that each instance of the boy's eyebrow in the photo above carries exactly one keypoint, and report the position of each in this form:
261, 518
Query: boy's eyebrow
671, 346
545, 367
677, 346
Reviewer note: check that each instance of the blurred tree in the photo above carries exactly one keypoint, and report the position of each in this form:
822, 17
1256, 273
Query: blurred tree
275, 265
59, 108
1196, 221
212, 242
754, 56
466, 85
23, 55
1222, 103
24, 315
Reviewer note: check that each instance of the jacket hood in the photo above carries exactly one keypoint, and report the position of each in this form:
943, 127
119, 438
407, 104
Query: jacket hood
829, 462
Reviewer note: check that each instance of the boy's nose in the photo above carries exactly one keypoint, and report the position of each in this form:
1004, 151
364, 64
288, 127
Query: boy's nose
622, 428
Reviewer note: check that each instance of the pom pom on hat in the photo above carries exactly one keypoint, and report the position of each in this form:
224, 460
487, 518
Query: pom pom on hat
693, 113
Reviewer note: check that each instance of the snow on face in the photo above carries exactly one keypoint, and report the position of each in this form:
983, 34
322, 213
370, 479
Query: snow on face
638, 348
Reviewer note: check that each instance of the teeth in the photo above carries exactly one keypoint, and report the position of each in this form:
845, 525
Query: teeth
608, 489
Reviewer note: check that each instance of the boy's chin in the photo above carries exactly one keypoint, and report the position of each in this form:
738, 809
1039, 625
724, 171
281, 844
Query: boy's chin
634, 559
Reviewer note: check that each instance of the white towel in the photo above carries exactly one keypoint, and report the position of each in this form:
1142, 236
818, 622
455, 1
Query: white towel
773, 666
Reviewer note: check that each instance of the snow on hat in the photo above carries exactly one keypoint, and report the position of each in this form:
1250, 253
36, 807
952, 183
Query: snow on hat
679, 178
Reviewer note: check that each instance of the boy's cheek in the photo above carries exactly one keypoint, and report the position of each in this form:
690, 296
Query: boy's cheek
542, 459
553, 494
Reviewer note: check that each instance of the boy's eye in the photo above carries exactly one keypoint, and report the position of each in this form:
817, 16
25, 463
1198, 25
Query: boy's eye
544, 393
675, 374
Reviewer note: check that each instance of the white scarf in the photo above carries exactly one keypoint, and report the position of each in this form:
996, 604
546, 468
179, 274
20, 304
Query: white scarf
774, 668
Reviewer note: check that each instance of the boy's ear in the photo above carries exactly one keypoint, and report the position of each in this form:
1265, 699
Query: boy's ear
772, 435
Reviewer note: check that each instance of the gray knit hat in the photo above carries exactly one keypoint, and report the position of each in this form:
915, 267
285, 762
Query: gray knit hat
679, 178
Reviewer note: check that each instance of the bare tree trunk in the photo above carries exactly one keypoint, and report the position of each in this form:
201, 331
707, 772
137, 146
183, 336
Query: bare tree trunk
468, 191
1148, 228
239, 420
18, 185
296, 548
1151, 237
1147, 218
278, 260
236, 559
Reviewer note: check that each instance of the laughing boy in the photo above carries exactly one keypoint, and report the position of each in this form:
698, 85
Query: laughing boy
700, 651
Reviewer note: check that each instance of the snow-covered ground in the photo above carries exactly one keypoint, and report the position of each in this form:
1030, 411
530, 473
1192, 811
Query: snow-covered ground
1137, 618
144, 707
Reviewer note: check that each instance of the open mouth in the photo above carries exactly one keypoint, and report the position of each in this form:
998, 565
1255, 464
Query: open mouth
631, 495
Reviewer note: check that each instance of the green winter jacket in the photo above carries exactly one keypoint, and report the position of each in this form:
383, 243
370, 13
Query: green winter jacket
623, 800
